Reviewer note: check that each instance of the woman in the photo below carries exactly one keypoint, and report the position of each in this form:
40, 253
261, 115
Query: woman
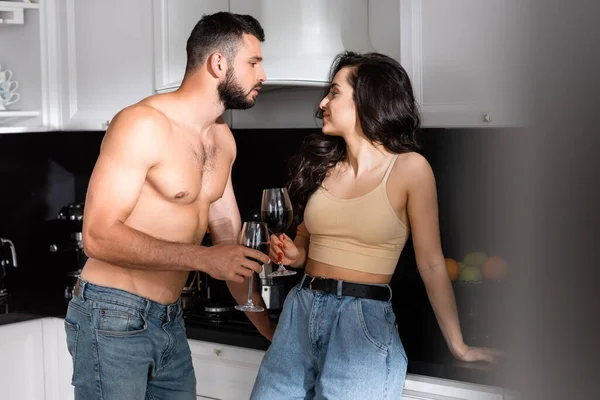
359, 188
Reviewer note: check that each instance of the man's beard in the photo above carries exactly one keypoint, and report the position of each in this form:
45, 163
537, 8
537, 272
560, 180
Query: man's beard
232, 95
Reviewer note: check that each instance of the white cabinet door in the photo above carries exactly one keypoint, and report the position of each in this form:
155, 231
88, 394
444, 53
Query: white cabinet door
58, 364
463, 57
173, 23
224, 372
22, 361
106, 59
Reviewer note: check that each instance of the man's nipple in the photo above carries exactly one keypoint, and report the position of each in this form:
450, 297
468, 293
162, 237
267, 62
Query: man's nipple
181, 195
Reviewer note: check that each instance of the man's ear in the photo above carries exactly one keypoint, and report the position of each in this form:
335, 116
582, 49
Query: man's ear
217, 65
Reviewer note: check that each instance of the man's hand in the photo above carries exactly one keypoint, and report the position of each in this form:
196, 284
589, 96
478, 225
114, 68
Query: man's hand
232, 262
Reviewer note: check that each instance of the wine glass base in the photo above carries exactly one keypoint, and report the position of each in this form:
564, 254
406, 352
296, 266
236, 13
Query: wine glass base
282, 272
249, 307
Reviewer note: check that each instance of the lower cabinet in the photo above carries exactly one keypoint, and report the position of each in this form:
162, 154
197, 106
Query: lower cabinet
35, 364
22, 361
224, 372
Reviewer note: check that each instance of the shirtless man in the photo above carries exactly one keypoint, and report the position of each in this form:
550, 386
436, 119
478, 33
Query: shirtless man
162, 177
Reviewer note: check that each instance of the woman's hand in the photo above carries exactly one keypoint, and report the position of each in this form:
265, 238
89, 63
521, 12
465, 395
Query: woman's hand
470, 354
283, 250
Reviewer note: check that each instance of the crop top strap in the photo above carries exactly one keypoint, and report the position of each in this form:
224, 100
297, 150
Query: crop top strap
389, 169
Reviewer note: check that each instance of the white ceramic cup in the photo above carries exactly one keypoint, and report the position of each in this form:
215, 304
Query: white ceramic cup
7, 98
5, 75
9, 86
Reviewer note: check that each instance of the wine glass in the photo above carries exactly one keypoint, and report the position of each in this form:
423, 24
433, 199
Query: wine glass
254, 235
276, 211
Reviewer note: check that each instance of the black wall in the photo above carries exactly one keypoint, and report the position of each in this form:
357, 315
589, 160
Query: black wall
41, 172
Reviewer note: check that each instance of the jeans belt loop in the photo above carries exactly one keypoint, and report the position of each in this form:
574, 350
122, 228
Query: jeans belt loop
81, 288
147, 308
311, 282
339, 288
301, 285
391, 293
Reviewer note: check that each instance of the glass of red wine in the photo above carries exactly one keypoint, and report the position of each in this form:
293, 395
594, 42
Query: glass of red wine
276, 211
255, 235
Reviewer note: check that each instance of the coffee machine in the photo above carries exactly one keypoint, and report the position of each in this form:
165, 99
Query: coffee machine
272, 290
8, 259
67, 244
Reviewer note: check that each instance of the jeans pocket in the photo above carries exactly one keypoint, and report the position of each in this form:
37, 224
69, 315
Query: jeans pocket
373, 319
72, 331
111, 319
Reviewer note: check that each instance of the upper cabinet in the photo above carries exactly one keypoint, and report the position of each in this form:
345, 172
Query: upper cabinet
25, 68
77, 63
106, 59
464, 61
173, 23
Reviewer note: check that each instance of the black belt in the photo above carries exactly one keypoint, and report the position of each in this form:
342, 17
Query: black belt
382, 293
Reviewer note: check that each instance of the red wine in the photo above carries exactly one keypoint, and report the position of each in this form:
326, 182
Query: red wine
278, 221
262, 247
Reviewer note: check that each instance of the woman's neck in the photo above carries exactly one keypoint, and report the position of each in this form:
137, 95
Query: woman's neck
363, 156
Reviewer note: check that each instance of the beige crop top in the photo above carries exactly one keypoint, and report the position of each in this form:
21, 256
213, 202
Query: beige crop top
363, 233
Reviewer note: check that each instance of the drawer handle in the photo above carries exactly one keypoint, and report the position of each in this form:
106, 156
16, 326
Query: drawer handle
217, 352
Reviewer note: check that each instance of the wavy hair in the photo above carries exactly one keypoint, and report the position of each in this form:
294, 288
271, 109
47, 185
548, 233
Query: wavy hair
388, 116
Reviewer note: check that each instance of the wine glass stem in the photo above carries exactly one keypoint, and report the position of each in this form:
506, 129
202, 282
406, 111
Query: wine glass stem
251, 283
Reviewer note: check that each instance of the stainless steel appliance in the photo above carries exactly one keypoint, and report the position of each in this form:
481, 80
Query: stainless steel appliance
8, 259
67, 244
272, 290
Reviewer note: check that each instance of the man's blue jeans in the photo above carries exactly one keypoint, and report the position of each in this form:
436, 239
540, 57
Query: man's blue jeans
127, 347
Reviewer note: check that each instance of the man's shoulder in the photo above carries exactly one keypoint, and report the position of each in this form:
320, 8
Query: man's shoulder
142, 114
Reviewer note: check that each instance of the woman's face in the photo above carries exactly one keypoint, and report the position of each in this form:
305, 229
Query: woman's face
340, 117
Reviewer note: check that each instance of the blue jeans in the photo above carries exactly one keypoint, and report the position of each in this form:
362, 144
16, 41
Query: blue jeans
127, 347
329, 346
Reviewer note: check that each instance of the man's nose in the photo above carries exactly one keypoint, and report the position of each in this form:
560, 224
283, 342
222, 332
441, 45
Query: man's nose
262, 76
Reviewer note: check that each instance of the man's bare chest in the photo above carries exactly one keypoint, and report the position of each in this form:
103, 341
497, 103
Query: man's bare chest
191, 174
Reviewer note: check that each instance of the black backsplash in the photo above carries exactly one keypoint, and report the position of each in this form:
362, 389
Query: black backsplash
41, 172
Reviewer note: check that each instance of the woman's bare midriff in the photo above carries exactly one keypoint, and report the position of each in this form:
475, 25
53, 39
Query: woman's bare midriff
316, 268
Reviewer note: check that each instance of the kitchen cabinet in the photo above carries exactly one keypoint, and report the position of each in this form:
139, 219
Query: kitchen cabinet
26, 45
228, 372
173, 22
106, 58
37, 365
35, 361
464, 58
224, 372
22, 366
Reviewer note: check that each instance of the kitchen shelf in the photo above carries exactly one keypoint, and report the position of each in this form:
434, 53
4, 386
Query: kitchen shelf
9, 120
19, 114
23, 129
17, 4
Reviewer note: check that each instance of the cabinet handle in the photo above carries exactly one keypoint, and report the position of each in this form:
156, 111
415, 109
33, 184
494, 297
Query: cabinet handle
218, 352
487, 118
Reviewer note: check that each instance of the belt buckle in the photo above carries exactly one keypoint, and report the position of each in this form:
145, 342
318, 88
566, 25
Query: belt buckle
311, 282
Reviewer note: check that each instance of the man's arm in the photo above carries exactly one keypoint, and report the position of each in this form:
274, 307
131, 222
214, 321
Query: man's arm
131, 148
225, 224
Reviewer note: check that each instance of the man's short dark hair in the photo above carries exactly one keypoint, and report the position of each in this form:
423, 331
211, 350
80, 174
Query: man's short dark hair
220, 32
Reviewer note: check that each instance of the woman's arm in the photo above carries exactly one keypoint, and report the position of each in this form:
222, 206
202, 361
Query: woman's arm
422, 209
